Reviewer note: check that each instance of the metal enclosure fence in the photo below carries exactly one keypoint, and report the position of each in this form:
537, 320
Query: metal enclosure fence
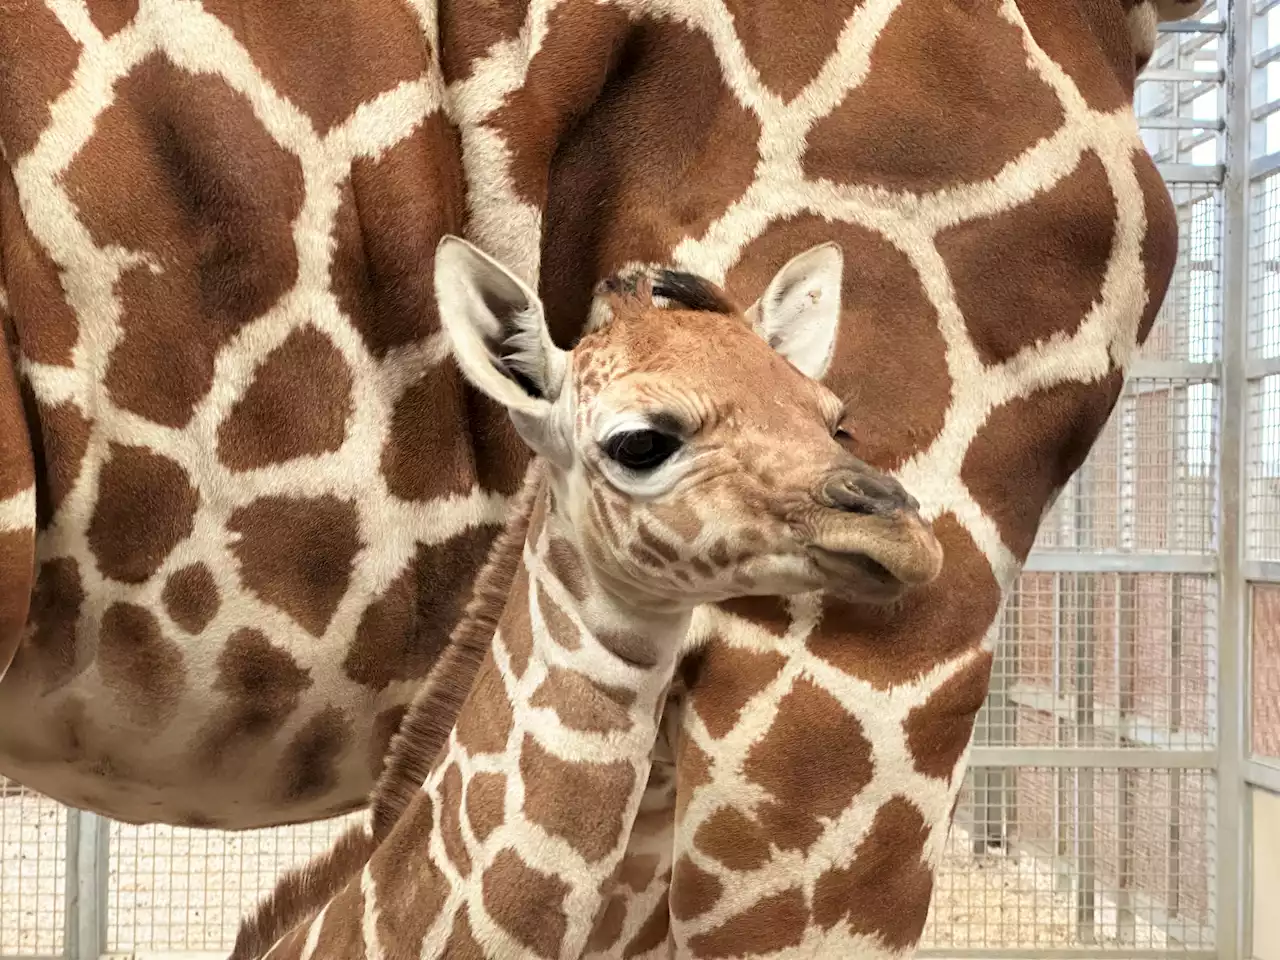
1104, 808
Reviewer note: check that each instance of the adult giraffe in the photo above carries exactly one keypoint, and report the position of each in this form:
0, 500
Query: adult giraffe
262, 491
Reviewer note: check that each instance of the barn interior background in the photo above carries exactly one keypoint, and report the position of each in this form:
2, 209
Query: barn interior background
1124, 791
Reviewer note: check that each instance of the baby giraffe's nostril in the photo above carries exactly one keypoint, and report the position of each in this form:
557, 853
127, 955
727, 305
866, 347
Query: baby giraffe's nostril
866, 494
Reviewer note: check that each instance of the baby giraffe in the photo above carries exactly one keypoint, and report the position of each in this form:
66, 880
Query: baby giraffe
689, 456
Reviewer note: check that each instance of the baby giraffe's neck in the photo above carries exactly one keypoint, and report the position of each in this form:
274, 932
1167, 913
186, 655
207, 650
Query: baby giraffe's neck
525, 816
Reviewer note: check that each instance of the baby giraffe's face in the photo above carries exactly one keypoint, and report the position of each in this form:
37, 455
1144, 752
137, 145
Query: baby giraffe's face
690, 446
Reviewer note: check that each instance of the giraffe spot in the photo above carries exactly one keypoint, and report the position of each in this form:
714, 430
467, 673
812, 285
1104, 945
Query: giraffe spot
296, 406
450, 823
563, 562
938, 730
310, 762
728, 836
190, 597
17, 548
891, 131
261, 686
774, 923
789, 58
679, 518
693, 768
725, 679
813, 761
582, 704
462, 942
618, 192
486, 803
385, 726
403, 632
1055, 249
694, 891
343, 927
1160, 244
329, 60
882, 301
885, 891
50, 650
111, 18
392, 212
296, 554
427, 457
652, 933
555, 798
515, 627
892, 646
146, 506
292, 944
560, 628
484, 724
221, 198
410, 895
1090, 42
1029, 447
655, 544
527, 903
139, 665
471, 31
607, 928
538, 516
769, 613
637, 870
59, 439
27, 91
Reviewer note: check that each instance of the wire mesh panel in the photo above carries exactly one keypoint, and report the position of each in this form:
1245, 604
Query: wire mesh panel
33, 832
1266, 671
174, 889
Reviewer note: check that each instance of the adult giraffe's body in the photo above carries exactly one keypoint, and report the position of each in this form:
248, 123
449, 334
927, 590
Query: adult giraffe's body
262, 492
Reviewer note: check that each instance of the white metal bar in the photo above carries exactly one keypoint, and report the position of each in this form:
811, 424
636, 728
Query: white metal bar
1190, 172
88, 857
1049, 561
1261, 571
1260, 773
1259, 367
1112, 758
1172, 370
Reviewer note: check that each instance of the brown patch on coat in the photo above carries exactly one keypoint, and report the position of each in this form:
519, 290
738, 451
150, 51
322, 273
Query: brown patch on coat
410, 892
405, 631
789, 58
468, 31
43, 58
296, 554
430, 718
309, 767
1160, 244
112, 16
582, 803
637, 870
220, 197
462, 942
140, 665
59, 439
726, 679
583, 704
1089, 40
516, 625
1054, 254
882, 300
1029, 447
885, 891
17, 551
40, 320
775, 923
562, 560
938, 730
889, 646
485, 721
261, 685
190, 597
527, 903
385, 726
50, 647
769, 613
693, 768
561, 629
607, 928
728, 836
808, 781
486, 803
146, 506
329, 59
297, 405
393, 210
450, 820
931, 71
343, 928
694, 891
652, 934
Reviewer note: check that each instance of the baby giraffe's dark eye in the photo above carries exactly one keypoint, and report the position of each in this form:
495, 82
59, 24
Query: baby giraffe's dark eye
641, 449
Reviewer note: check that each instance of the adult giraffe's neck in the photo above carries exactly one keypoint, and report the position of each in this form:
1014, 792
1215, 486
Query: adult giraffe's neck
525, 816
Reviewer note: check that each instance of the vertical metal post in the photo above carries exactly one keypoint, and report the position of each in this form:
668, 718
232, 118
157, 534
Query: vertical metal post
1086, 852
1235, 391
88, 858
1174, 863
1126, 681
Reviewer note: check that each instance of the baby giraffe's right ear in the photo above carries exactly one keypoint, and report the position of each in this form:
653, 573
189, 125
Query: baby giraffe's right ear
497, 330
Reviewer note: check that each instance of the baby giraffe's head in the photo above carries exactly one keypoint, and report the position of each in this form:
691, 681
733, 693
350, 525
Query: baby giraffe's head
691, 450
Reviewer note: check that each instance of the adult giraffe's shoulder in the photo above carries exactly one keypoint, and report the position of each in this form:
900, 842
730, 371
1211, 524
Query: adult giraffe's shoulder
243, 490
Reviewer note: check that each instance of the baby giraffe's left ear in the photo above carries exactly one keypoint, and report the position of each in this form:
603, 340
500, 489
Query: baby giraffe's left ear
799, 312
